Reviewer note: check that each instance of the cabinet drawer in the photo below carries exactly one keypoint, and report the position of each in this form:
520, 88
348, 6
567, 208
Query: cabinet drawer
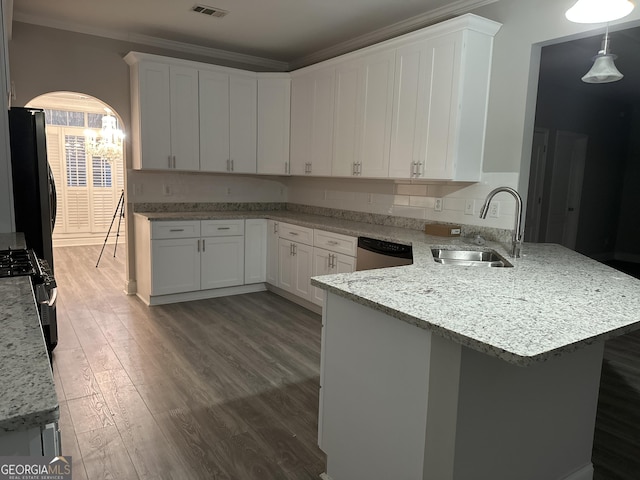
175, 229
335, 242
296, 233
222, 228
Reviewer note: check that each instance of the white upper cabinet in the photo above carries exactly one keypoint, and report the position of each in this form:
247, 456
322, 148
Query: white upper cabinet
440, 101
185, 146
274, 99
346, 120
243, 113
312, 103
164, 116
228, 116
214, 121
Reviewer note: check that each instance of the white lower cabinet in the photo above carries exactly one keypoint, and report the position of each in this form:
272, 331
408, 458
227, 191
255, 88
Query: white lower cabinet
222, 262
175, 265
255, 251
295, 268
273, 255
326, 262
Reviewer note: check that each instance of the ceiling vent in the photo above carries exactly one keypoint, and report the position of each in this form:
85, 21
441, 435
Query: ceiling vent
210, 11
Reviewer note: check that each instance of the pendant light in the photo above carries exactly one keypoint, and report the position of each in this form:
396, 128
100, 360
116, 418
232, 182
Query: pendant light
599, 11
604, 69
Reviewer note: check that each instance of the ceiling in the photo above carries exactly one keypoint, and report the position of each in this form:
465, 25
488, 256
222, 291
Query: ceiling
564, 64
282, 30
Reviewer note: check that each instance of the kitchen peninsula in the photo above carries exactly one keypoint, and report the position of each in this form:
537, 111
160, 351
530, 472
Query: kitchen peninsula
446, 372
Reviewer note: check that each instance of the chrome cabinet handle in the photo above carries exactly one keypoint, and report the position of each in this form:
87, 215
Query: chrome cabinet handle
228, 165
169, 158
224, 228
291, 249
354, 169
176, 229
275, 227
286, 167
198, 246
232, 164
332, 242
295, 249
174, 161
203, 245
295, 234
419, 171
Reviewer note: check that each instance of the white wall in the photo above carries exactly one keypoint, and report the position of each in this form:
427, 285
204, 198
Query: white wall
6, 192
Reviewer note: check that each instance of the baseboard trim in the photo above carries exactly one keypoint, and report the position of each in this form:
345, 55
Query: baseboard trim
324, 476
131, 287
585, 473
203, 294
295, 299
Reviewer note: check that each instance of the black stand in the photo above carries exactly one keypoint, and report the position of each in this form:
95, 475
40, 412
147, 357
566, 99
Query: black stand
120, 207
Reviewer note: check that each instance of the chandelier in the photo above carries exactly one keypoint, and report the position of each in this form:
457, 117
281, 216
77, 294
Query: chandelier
106, 143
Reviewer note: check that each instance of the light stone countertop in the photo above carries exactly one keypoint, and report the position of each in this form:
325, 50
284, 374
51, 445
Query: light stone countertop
28, 396
551, 302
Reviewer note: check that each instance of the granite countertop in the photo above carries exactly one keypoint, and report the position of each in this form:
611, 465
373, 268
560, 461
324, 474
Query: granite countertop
28, 393
551, 302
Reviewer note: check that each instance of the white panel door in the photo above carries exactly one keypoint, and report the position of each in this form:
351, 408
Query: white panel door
214, 121
222, 260
175, 266
321, 266
274, 113
286, 265
442, 82
155, 115
303, 269
376, 91
409, 109
243, 104
255, 251
346, 119
185, 120
322, 122
302, 101
272, 252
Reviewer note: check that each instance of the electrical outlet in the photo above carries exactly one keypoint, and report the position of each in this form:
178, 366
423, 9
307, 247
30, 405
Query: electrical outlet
370, 199
494, 209
166, 189
438, 205
469, 207
228, 191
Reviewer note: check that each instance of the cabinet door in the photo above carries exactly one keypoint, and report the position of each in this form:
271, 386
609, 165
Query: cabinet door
274, 113
214, 121
302, 101
303, 269
243, 93
175, 266
322, 122
409, 109
321, 266
286, 265
346, 126
222, 260
155, 115
438, 133
272, 252
255, 251
376, 92
185, 121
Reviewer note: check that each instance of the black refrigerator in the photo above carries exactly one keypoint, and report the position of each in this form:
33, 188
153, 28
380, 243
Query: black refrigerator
34, 194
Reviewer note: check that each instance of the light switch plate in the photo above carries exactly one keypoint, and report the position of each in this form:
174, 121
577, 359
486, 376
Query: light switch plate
494, 209
469, 207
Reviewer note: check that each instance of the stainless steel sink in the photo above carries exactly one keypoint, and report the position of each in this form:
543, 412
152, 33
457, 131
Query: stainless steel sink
469, 258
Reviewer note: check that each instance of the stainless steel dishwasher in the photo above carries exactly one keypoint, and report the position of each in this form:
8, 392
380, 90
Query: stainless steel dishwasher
374, 253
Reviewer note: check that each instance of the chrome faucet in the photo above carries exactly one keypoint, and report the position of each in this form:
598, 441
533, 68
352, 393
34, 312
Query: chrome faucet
516, 239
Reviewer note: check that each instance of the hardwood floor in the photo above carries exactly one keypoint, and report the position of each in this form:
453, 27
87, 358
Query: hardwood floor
228, 388
215, 389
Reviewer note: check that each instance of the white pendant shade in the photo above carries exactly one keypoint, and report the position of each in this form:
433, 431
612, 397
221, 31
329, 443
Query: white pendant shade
603, 70
599, 11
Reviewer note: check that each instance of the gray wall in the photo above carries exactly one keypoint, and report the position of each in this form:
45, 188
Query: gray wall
628, 241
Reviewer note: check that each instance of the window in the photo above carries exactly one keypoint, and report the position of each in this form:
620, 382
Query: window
64, 118
76, 160
101, 172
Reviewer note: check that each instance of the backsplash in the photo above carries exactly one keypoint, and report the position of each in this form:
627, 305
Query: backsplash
410, 200
197, 187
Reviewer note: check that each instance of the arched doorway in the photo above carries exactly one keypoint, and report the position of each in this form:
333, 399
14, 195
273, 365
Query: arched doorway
89, 184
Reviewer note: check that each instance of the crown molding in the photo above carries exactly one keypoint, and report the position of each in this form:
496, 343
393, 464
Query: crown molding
452, 9
214, 53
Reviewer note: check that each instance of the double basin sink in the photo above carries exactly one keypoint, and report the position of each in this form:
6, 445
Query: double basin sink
469, 258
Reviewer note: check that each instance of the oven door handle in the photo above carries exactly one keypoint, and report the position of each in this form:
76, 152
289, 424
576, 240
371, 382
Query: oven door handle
52, 297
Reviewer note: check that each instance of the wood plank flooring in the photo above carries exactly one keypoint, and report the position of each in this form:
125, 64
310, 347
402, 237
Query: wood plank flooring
215, 389
228, 388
